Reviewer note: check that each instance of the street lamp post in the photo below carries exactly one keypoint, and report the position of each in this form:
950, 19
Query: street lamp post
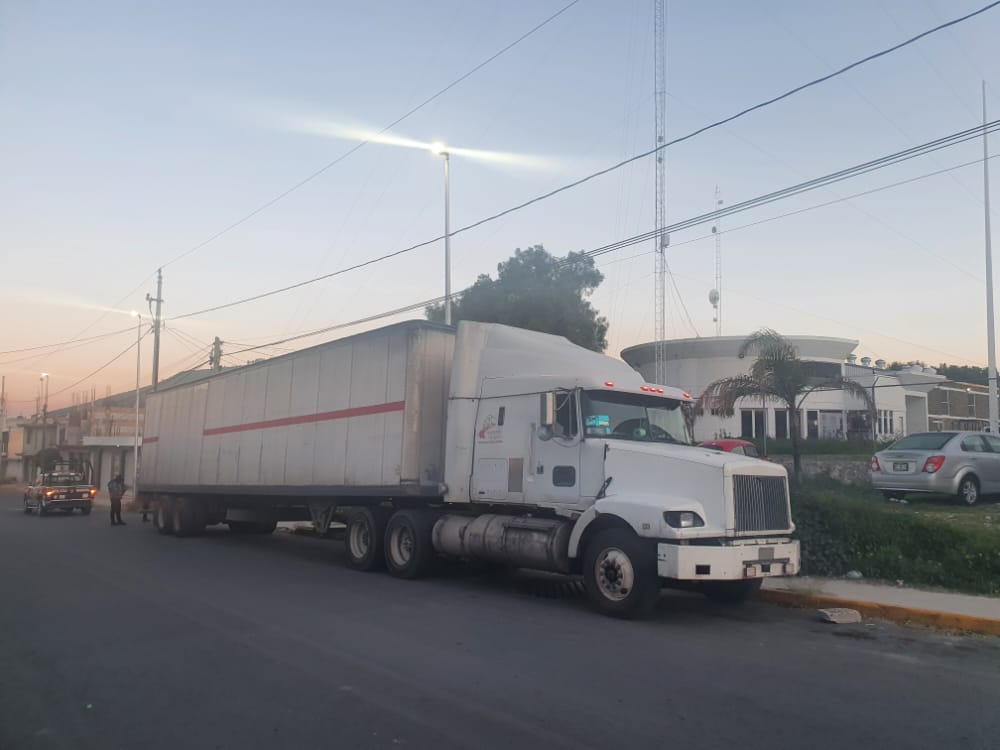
135, 441
439, 149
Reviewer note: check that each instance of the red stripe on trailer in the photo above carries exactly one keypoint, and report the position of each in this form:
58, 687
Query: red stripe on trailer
326, 416
150, 439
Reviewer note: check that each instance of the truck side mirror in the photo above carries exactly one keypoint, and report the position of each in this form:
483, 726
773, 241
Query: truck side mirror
544, 432
548, 409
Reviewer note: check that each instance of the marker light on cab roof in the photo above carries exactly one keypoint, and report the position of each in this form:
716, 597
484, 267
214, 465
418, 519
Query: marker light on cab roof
609, 384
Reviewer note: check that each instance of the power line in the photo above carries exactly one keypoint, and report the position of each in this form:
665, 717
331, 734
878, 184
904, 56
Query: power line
68, 342
815, 206
627, 242
107, 364
858, 169
358, 146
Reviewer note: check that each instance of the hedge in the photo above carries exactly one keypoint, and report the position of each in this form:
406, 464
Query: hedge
844, 529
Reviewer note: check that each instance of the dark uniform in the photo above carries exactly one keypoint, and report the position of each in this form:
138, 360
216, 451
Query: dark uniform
116, 488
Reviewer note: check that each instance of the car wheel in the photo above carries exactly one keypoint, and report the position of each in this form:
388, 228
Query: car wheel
968, 490
619, 571
892, 495
27, 508
86, 509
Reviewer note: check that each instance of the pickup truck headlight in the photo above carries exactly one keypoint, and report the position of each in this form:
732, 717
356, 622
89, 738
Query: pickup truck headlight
682, 519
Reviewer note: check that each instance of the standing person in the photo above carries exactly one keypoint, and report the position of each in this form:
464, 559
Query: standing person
116, 489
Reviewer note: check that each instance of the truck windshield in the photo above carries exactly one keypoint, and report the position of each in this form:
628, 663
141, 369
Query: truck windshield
630, 416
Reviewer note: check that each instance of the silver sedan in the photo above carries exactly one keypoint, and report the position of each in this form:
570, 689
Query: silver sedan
963, 464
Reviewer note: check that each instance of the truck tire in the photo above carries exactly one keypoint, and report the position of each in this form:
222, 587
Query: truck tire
732, 592
180, 517
240, 527
619, 572
86, 509
365, 539
264, 527
163, 516
409, 550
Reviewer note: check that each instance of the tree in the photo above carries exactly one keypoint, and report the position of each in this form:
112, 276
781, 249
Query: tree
538, 291
777, 375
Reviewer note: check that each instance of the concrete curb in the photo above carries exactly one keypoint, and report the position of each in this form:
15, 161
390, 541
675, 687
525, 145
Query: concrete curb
892, 612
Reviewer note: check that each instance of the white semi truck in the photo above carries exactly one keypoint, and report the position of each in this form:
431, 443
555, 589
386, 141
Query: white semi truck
490, 443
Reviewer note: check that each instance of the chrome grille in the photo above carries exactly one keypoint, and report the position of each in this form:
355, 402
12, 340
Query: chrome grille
761, 503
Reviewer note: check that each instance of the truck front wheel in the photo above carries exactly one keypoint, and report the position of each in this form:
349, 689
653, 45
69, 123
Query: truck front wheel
365, 539
619, 570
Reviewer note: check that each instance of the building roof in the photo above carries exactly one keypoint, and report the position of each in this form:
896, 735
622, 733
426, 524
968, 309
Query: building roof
812, 348
127, 398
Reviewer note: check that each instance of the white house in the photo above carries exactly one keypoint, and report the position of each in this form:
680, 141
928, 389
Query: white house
900, 395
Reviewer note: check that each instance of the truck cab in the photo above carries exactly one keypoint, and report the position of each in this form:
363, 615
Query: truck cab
585, 441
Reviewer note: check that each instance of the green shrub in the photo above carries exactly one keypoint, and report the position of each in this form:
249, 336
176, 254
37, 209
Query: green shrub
820, 447
843, 528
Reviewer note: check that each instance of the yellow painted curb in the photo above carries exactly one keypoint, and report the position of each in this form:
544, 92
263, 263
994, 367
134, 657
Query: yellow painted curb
892, 612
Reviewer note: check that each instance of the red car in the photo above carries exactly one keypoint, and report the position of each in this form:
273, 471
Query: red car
733, 445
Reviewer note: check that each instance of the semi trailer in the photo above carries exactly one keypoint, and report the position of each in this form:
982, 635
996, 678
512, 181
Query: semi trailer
486, 443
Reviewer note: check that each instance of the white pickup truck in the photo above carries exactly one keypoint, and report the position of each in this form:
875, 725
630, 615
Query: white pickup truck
490, 443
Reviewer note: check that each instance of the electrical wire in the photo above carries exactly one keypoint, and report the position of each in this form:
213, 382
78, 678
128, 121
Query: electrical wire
358, 146
828, 179
109, 334
107, 364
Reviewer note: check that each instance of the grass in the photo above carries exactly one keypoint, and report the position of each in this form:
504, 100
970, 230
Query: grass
929, 543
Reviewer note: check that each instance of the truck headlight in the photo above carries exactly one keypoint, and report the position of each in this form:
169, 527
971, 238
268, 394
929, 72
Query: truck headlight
682, 519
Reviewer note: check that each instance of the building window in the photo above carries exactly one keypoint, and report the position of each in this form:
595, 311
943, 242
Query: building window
885, 422
812, 425
746, 423
781, 424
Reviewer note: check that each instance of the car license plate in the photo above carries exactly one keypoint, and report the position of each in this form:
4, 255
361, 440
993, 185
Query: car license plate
900, 466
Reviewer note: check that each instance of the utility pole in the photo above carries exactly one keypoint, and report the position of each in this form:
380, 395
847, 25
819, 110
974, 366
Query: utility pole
662, 239
717, 296
156, 324
215, 358
991, 336
3, 428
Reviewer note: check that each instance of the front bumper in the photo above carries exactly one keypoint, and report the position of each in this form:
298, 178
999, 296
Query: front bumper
945, 484
67, 504
755, 559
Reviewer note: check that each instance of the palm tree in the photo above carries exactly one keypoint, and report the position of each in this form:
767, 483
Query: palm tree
777, 375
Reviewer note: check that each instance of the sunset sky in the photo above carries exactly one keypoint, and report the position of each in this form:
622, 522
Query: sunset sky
133, 134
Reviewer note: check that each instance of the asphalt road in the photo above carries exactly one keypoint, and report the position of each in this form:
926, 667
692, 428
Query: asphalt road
120, 638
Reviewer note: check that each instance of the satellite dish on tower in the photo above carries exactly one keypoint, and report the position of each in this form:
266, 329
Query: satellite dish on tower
713, 297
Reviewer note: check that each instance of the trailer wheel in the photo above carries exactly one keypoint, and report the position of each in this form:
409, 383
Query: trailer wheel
732, 592
182, 520
365, 536
409, 551
619, 570
264, 527
240, 527
164, 516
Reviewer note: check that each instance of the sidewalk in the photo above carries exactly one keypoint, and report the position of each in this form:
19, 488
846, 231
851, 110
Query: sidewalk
978, 614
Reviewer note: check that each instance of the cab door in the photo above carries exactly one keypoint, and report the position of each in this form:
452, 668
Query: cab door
554, 468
